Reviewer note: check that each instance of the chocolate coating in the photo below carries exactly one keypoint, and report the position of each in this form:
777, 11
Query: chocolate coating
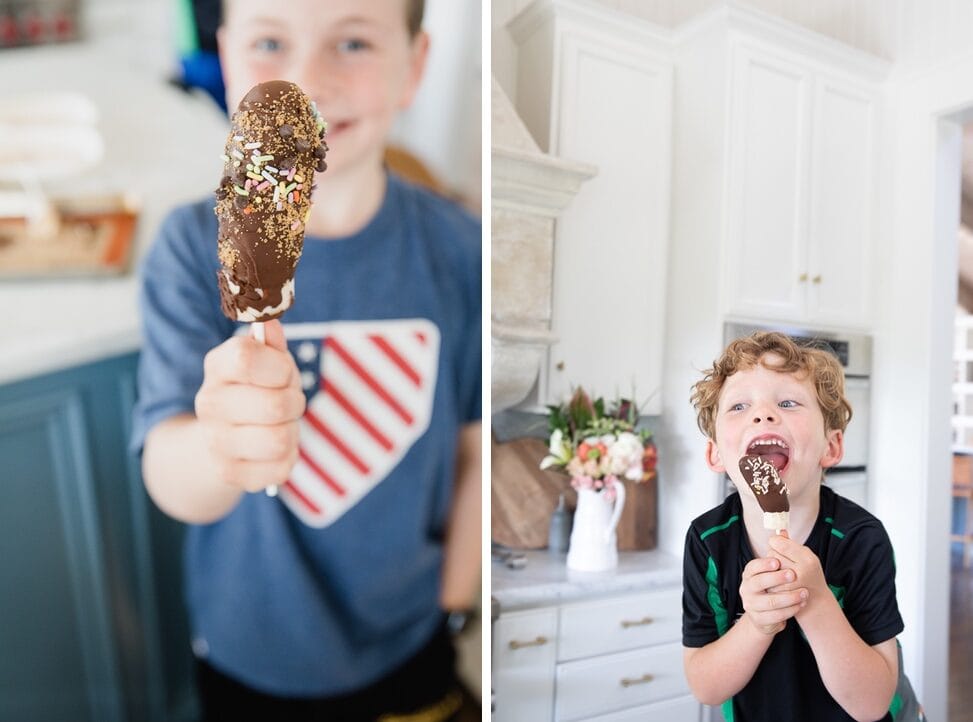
766, 483
264, 199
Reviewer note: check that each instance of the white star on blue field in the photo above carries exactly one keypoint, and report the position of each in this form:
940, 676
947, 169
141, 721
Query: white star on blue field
307, 354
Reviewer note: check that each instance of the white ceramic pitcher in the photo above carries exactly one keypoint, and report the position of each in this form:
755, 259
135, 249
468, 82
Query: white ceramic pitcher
594, 546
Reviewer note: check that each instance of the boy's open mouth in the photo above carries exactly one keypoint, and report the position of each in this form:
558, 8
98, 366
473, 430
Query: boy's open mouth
772, 449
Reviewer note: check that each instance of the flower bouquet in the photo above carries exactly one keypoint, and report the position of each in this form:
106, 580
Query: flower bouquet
602, 450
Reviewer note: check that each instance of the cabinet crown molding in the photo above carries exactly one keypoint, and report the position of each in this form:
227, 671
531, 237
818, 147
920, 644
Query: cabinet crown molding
747, 22
588, 16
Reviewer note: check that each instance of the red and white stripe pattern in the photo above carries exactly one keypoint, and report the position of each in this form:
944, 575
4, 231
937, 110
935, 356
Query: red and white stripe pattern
378, 379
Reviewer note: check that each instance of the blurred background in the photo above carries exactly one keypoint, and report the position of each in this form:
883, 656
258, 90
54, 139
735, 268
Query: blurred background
109, 117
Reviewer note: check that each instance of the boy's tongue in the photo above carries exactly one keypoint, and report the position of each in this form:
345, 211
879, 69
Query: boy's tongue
778, 459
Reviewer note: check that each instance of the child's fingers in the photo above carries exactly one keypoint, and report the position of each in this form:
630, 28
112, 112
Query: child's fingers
244, 360
247, 404
274, 335
772, 605
271, 444
761, 565
254, 476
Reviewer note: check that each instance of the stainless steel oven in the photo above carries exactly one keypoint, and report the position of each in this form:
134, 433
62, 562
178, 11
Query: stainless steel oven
854, 351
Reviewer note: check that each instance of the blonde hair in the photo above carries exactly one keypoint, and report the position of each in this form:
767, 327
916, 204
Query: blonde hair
745, 353
414, 10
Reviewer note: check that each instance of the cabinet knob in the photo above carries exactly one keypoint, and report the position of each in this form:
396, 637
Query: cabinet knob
816, 279
802, 278
626, 623
559, 366
628, 681
536, 642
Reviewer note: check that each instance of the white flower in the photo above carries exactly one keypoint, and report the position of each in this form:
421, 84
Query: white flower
625, 455
559, 451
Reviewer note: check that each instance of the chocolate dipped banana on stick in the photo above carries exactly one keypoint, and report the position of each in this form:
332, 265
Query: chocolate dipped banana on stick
770, 491
264, 199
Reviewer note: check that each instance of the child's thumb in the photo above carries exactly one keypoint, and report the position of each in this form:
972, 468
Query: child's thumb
274, 335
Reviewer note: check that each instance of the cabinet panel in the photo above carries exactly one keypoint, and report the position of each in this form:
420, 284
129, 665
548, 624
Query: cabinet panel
682, 709
619, 624
523, 665
59, 661
766, 184
841, 205
610, 251
618, 681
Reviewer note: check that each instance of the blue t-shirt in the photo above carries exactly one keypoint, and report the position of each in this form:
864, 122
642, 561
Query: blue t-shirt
332, 584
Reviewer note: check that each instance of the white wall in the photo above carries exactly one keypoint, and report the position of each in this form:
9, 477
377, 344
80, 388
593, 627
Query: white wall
443, 127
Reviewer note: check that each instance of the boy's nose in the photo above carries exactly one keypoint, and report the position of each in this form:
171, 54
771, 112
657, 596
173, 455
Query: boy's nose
768, 418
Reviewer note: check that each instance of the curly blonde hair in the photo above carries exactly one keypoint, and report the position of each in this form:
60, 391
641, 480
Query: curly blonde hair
745, 353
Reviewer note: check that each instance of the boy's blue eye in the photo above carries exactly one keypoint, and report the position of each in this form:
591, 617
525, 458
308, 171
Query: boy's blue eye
354, 45
787, 404
268, 45
737, 407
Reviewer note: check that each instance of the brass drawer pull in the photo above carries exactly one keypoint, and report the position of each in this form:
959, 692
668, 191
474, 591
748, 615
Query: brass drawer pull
816, 279
626, 682
538, 642
626, 623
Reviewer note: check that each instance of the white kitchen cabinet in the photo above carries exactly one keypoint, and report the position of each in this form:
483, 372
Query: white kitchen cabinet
800, 184
523, 665
595, 86
618, 657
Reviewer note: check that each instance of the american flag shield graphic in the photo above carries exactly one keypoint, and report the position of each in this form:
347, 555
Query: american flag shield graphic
371, 386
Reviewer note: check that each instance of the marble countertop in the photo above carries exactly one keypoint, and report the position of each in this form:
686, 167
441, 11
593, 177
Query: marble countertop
546, 580
161, 147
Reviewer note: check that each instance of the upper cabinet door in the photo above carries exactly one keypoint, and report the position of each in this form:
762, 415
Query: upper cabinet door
841, 202
767, 184
800, 192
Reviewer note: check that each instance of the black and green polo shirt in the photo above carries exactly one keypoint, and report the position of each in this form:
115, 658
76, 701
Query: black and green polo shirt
856, 557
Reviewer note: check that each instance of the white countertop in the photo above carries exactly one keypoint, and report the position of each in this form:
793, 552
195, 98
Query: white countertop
546, 580
161, 144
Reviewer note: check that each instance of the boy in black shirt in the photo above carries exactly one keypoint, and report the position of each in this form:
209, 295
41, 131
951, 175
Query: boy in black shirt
799, 626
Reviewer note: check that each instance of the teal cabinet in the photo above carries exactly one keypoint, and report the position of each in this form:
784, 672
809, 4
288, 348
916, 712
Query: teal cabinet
92, 626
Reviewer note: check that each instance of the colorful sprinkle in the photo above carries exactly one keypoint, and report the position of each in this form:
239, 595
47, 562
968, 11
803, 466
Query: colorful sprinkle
237, 154
295, 225
241, 191
298, 177
251, 146
255, 176
225, 157
269, 177
280, 206
264, 158
263, 186
237, 137
271, 169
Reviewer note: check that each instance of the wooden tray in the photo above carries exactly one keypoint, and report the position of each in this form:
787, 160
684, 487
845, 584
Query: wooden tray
95, 238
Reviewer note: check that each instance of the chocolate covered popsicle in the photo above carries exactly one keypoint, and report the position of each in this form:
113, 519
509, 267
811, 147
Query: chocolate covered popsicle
769, 489
264, 198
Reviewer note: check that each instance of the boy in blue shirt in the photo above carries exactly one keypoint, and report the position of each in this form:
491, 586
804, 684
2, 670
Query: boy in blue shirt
363, 407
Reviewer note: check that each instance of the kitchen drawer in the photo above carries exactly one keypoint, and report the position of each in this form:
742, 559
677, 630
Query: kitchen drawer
613, 682
681, 709
634, 621
523, 665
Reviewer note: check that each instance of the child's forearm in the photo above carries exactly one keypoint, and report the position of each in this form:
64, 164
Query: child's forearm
861, 678
180, 474
722, 668
461, 563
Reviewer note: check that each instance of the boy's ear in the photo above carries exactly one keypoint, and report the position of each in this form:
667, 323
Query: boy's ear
417, 67
713, 459
835, 450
